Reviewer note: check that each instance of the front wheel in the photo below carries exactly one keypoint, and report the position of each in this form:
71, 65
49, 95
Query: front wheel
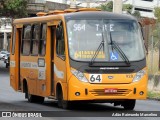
129, 104
61, 102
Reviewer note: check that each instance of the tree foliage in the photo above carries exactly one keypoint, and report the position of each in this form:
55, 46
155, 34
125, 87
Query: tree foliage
136, 14
128, 8
157, 13
13, 8
107, 6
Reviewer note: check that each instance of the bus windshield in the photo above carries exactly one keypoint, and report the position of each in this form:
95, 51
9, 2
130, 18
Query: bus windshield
85, 36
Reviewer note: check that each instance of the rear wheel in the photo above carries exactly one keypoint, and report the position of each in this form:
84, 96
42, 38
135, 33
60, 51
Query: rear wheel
34, 98
129, 104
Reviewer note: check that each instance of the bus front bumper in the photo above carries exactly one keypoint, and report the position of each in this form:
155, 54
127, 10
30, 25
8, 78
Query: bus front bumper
85, 91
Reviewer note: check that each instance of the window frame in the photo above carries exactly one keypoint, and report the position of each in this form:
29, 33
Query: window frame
14, 39
22, 45
62, 56
40, 52
35, 39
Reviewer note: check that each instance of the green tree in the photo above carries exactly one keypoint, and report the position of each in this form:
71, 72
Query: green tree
13, 8
157, 29
136, 14
157, 13
127, 7
107, 6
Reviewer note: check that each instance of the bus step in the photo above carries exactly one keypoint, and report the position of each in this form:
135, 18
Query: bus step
51, 97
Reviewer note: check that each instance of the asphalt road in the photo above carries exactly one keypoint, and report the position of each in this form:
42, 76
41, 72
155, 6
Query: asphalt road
15, 101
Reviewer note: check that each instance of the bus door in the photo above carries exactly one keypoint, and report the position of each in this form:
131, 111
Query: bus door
60, 60
15, 58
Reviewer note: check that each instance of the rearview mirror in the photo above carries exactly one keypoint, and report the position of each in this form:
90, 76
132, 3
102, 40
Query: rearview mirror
59, 31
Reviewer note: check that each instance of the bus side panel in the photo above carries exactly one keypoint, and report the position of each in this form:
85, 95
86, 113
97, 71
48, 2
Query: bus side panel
28, 72
14, 60
44, 86
60, 75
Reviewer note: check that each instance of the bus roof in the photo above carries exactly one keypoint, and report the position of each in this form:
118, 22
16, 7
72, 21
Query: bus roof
98, 15
76, 15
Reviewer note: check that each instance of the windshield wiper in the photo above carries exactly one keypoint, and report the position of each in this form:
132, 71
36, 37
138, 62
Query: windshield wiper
97, 51
117, 48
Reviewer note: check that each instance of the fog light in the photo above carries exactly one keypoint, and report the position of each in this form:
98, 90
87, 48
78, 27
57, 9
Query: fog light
141, 93
77, 93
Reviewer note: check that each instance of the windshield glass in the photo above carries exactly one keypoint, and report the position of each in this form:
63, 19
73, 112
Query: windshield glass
85, 36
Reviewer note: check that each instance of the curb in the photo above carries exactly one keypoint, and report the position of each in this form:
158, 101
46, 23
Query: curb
157, 99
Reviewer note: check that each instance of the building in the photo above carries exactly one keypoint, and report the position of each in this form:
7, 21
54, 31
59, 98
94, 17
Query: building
34, 6
5, 30
145, 7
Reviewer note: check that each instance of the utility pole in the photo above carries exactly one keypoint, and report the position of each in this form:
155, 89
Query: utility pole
133, 3
157, 3
73, 4
88, 3
117, 6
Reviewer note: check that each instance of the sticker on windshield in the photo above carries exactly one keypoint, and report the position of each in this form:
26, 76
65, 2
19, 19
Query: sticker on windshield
113, 56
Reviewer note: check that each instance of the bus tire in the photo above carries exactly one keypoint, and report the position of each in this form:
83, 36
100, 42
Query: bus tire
31, 98
129, 104
62, 103
39, 99
35, 99
66, 104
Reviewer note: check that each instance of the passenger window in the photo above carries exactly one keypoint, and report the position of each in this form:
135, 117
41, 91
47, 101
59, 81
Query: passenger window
35, 39
42, 46
13, 40
26, 40
60, 44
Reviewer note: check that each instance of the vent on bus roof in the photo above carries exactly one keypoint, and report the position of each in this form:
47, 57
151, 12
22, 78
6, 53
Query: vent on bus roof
55, 12
41, 14
70, 10
88, 9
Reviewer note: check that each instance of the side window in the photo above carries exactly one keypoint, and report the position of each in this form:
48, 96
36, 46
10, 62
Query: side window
35, 39
42, 45
13, 40
60, 45
26, 39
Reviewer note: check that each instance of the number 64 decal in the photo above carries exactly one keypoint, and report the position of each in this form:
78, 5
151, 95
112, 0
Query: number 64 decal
95, 78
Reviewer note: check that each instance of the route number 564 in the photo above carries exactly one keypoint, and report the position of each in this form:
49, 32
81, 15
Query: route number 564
95, 78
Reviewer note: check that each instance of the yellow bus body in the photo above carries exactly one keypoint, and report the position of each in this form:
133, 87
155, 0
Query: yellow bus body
27, 74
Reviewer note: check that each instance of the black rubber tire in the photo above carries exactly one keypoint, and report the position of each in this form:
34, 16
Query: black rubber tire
129, 104
62, 103
33, 98
39, 99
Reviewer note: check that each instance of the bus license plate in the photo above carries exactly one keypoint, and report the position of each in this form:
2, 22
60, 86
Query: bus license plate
110, 90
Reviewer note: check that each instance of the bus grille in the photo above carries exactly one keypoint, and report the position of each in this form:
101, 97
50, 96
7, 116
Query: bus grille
109, 71
100, 92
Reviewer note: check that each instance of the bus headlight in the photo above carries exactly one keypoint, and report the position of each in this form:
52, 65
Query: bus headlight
139, 75
79, 75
